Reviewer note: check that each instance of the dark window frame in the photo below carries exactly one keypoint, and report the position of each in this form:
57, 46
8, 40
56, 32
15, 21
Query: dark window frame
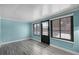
48, 27
52, 28
36, 29
72, 32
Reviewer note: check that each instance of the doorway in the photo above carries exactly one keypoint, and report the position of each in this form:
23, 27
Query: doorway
45, 36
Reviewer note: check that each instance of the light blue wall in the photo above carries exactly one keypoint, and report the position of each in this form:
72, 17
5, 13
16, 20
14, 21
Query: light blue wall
76, 30
70, 46
12, 30
0, 28
37, 38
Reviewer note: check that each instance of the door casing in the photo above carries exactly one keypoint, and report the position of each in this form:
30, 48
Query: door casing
44, 38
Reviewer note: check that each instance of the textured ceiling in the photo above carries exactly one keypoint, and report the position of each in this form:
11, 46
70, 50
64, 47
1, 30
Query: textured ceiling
31, 12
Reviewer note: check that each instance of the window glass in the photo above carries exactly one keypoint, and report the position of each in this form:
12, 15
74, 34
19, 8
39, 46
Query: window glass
56, 29
36, 29
45, 28
66, 28
61, 28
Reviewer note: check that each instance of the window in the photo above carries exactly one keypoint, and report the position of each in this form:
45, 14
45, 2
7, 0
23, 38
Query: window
45, 28
62, 28
56, 29
66, 28
36, 29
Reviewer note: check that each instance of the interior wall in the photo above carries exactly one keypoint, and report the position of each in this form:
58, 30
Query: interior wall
76, 30
74, 46
13, 31
0, 28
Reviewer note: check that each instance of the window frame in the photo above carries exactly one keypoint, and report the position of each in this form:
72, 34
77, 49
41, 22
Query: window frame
42, 28
36, 29
71, 34
52, 28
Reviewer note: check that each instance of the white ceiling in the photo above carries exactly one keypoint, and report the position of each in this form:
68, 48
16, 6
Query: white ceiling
18, 12
31, 12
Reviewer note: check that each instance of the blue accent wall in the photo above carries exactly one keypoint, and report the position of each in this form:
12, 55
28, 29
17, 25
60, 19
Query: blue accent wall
12, 30
62, 43
0, 29
76, 31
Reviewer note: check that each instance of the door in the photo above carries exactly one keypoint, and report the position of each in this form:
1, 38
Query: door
45, 38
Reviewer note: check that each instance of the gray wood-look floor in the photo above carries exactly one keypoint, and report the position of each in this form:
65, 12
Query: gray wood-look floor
30, 47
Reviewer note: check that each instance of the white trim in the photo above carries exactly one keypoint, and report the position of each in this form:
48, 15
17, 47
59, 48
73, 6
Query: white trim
62, 16
13, 41
73, 52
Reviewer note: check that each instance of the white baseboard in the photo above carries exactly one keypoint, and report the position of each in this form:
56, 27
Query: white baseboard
13, 41
73, 52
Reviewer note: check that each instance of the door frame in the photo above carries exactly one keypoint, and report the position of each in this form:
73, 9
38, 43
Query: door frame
48, 30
